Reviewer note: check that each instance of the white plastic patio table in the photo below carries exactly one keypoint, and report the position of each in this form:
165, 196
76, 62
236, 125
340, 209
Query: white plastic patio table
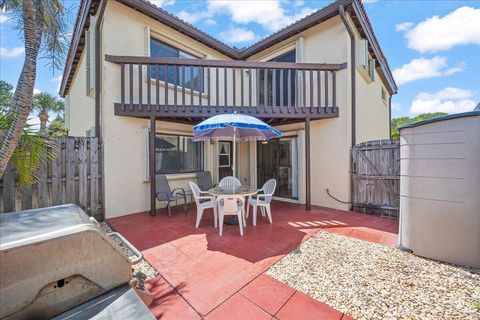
242, 191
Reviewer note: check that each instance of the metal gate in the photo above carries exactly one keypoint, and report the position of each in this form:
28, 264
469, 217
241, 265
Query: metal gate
376, 177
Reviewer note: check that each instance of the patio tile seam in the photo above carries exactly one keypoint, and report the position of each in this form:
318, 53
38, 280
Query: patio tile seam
283, 305
273, 315
183, 298
238, 291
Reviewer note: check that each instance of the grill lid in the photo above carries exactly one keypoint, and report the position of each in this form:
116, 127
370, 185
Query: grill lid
32, 226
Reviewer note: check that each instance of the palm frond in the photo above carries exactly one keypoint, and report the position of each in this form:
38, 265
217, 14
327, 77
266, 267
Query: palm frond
31, 152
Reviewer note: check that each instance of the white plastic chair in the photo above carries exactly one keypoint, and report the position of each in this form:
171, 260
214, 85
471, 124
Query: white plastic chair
229, 182
230, 205
203, 202
262, 200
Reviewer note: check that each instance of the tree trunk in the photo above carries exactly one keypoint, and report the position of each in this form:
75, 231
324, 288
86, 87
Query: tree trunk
22, 99
43, 116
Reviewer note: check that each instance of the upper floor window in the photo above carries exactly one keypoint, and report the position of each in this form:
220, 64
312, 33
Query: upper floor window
266, 98
371, 67
188, 77
365, 61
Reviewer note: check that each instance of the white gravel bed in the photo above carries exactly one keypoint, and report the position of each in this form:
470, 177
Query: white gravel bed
143, 266
371, 281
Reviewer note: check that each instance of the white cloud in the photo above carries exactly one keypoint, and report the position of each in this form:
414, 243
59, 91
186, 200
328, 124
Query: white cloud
369, 1
3, 18
449, 100
404, 26
424, 68
193, 17
36, 91
162, 3
298, 3
11, 53
237, 35
269, 14
210, 22
460, 27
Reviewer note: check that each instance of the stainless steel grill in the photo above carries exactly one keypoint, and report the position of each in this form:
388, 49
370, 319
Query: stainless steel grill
53, 259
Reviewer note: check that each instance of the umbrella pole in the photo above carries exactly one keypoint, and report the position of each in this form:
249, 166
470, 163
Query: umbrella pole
234, 154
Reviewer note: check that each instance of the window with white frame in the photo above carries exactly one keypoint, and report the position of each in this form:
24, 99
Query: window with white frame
224, 154
266, 98
365, 61
177, 154
188, 77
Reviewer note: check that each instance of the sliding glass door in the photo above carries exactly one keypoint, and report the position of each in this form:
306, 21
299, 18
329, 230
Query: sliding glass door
278, 159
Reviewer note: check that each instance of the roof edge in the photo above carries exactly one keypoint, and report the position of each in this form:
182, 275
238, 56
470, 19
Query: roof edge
181, 26
306, 22
442, 118
372, 39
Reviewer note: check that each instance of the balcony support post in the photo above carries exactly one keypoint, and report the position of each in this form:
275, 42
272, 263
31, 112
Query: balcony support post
151, 162
307, 164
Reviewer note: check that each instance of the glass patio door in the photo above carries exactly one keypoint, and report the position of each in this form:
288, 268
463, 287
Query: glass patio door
278, 159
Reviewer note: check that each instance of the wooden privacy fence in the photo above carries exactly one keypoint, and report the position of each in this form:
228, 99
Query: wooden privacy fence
72, 176
376, 177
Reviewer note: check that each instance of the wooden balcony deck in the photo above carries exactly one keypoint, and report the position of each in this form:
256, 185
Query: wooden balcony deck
190, 90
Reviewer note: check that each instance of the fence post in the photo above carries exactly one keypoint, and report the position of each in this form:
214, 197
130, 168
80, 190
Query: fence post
70, 170
94, 176
82, 173
42, 186
57, 186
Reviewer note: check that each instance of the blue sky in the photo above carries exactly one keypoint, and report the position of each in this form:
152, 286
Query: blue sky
432, 46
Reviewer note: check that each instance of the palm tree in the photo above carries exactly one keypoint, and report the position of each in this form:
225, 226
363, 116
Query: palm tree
31, 151
42, 24
57, 127
44, 103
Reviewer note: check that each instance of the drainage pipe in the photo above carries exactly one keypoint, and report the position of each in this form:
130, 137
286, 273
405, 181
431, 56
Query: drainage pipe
341, 11
352, 70
97, 68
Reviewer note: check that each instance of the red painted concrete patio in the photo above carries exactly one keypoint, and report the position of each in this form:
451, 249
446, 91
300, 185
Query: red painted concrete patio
203, 275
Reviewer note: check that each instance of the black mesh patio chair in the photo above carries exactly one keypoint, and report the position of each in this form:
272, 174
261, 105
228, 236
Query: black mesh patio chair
164, 193
204, 179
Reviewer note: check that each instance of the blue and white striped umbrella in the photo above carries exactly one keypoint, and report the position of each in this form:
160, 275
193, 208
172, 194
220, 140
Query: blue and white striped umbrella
234, 127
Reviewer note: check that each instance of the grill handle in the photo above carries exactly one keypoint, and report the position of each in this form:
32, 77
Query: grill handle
138, 254
95, 222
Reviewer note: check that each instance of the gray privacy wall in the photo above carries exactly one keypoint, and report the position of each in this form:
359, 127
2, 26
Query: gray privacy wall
440, 188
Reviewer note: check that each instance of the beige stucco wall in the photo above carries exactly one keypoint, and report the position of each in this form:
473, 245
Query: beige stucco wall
81, 108
372, 112
123, 138
330, 138
125, 190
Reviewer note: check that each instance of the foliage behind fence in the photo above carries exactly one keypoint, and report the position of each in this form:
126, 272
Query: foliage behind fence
72, 176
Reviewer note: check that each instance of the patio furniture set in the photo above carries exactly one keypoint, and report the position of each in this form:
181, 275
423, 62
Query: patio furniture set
226, 199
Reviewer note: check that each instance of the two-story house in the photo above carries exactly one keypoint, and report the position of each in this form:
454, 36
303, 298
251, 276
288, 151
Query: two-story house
139, 78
